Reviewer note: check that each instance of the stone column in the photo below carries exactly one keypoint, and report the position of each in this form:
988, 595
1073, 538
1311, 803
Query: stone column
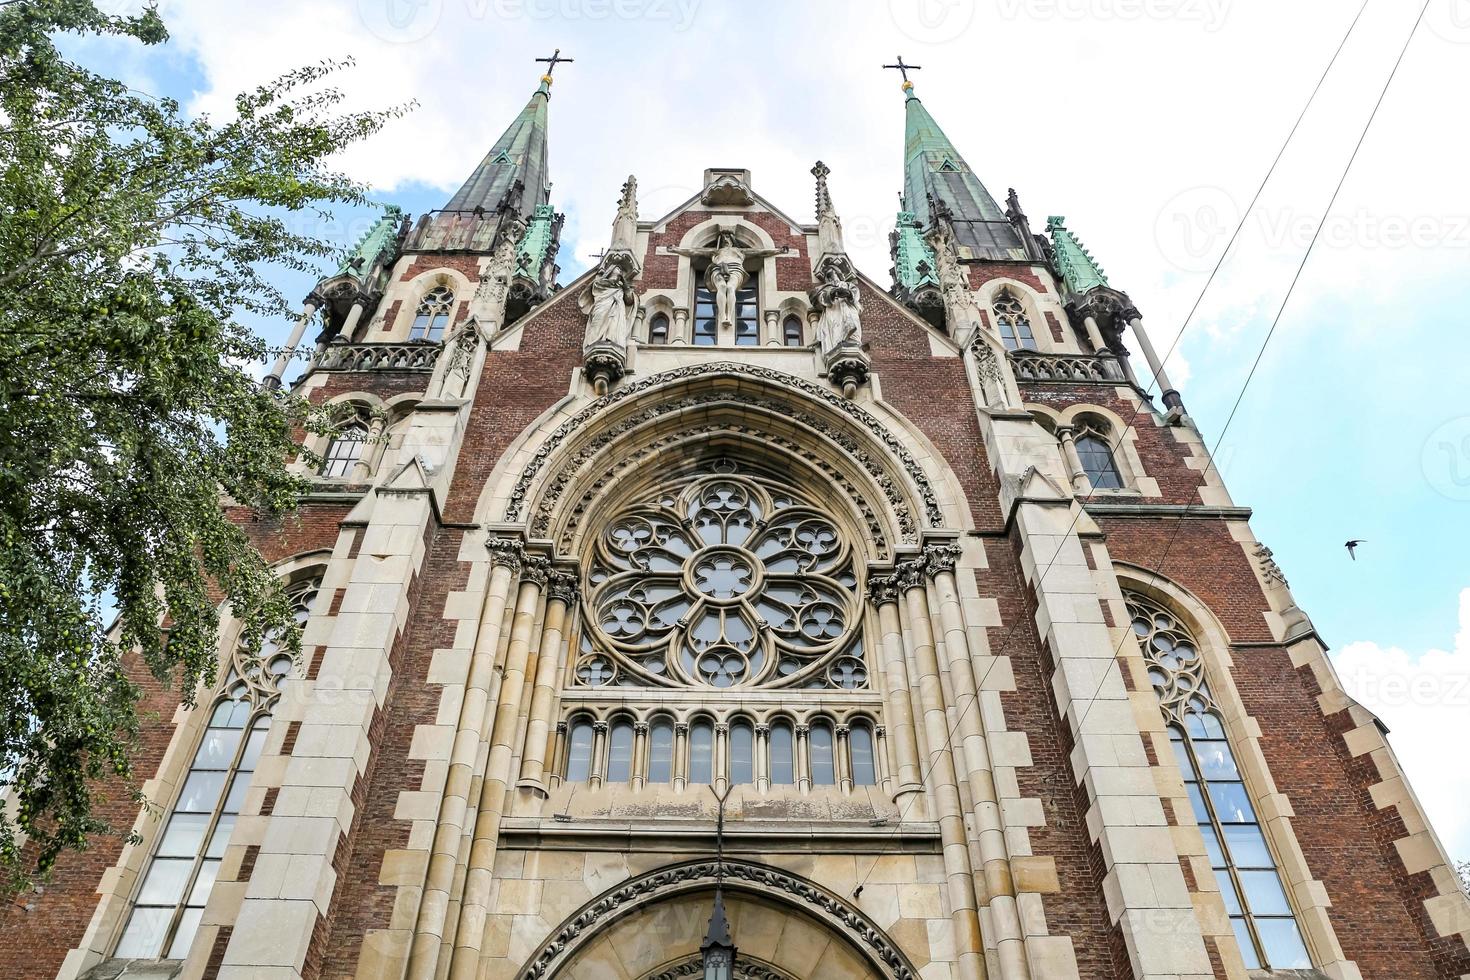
469, 936
681, 756
640, 754
353, 316
1094, 335
1171, 396
598, 767
505, 557
880, 758
803, 763
773, 329
278, 369
721, 758
362, 470
884, 594
941, 782
1080, 483
999, 889
561, 593
762, 758
558, 754
680, 334
842, 763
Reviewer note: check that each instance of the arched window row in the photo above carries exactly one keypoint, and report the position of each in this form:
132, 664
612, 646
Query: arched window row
770, 755
180, 873
790, 332
1219, 800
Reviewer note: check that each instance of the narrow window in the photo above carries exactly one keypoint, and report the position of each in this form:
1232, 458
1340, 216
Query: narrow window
706, 330
791, 331
742, 753
579, 752
1011, 321
344, 450
1097, 461
658, 329
783, 760
819, 747
620, 753
1260, 912
432, 317
661, 752
701, 753
860, 746
180, 874
747, 316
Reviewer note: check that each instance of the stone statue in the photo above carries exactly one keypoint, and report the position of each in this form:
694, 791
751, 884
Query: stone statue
611, 316
835, 296
727, 273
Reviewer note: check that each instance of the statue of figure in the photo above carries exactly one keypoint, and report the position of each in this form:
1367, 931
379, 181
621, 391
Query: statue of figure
835, 297
727, 273
625, 225
611, 315
959, 305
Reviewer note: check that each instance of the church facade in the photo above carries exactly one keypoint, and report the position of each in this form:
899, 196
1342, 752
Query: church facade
909, 624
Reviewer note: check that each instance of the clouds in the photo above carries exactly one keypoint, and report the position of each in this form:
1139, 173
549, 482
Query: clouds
1425, 702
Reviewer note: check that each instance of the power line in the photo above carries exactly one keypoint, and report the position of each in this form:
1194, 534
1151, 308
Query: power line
1005, 640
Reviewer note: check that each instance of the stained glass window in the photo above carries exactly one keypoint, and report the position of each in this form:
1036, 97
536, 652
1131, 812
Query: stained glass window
1260, 912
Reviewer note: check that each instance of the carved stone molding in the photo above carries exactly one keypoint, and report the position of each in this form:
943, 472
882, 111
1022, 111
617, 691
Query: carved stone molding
882, 588
770, 882
562, 586
583, 421
744, 970
910, 574
727, 190
505, 552
536, 569
603, 364
941, 557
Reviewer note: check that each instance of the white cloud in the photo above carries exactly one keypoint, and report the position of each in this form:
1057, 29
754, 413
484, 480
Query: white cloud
1424, 700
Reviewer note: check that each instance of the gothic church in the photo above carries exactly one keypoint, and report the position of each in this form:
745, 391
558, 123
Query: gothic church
726, 612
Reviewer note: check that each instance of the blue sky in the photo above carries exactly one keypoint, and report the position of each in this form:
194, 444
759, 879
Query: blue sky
1148, 125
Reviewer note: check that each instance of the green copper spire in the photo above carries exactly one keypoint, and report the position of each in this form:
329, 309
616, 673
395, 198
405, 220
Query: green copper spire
939, 185
519, 156
378, 238
1077, 266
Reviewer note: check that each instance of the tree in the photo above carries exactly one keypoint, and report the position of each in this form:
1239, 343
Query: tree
131, 236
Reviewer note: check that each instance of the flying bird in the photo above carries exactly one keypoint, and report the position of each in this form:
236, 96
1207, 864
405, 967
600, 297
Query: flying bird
1352, 547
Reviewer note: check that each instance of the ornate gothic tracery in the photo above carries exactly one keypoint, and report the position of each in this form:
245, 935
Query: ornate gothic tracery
722, 580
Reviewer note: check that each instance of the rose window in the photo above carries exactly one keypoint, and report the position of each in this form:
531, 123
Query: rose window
723, 581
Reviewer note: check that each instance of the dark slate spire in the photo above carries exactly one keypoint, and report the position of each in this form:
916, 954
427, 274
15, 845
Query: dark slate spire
517, 158
938, 185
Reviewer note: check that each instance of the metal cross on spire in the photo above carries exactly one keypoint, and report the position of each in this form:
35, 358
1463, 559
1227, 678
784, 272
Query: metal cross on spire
554, 60
903, 68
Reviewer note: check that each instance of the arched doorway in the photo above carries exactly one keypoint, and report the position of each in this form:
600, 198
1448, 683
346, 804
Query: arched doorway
784, 926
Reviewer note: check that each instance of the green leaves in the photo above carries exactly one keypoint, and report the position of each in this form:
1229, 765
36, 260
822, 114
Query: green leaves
130, 237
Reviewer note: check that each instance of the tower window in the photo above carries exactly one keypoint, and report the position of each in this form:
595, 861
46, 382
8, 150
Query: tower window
1011, 321
344, 451
181, 872
791, 332
658, 329
1098, 462
432, 317
1260, 912
747, 316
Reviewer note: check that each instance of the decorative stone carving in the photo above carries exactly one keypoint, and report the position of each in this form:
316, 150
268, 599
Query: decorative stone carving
727, 190
735, 875
535, 569
604, 365
882, 588
505, 552
727, 273
562, 586
910, 574
582, 419
1271, 572
941, 558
